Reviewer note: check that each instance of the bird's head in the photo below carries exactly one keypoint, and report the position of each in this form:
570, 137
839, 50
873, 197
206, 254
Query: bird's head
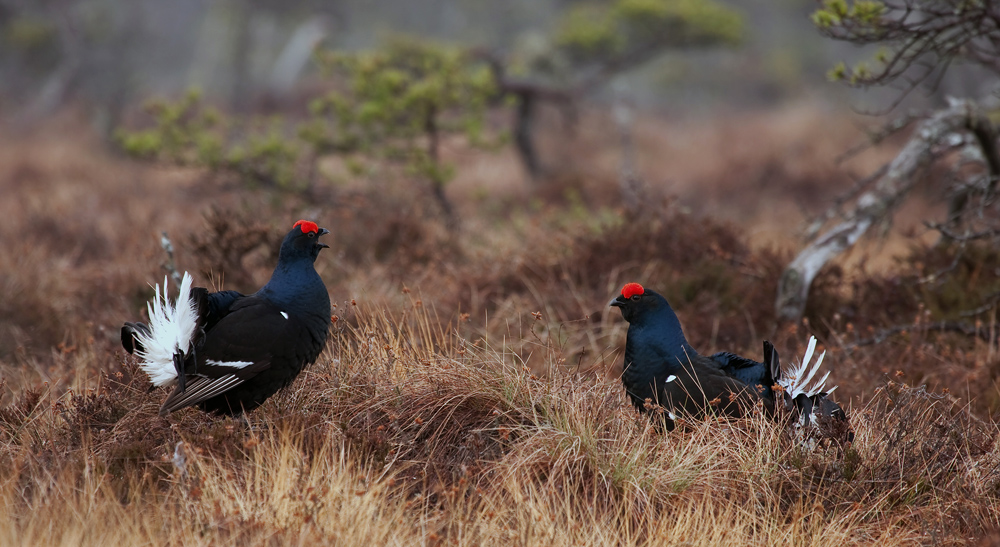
637, 303
302, 241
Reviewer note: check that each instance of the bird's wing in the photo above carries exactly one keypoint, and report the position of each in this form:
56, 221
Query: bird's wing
212, 307
219, 305
703, 384
238, 347
745, 370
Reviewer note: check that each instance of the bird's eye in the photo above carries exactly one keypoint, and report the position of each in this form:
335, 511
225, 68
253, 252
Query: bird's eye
635, 297
311, 234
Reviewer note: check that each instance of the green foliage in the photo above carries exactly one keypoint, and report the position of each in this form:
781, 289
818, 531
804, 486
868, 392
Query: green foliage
838, 12
393, 105
188, 132
591, 31
860, 72
28, 33
694, 21
916, 39
399, 102
838, 72
862, 17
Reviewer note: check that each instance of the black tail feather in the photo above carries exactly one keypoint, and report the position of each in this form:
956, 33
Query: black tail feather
179, 367
129, 340
772, 366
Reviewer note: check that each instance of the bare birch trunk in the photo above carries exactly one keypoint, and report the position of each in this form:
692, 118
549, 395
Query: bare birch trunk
872, 206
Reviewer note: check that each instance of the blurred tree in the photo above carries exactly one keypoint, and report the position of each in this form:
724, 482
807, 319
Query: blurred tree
57, 50
596, 41
394, 106
919, 40
101, 53
189, 132
399, 103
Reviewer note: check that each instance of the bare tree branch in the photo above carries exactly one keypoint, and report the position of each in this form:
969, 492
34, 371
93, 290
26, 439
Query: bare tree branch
984, 333
170, 266
985, 136
872, 206
879, 135
946, 232
919, 39
814, 227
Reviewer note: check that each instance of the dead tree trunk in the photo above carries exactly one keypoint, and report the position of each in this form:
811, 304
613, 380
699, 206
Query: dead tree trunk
630, 184
874, 205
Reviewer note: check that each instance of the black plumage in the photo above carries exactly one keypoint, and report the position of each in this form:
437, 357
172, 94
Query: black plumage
227, 352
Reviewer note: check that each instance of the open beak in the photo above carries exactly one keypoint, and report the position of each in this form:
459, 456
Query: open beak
322, 232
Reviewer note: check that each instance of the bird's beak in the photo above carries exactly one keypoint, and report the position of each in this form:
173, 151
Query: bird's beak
322, 232
617, 302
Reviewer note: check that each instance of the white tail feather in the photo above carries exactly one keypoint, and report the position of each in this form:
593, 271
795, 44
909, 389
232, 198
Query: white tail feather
809, 351
796, 380
171, 331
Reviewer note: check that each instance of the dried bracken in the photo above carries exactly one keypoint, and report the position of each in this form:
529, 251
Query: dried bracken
469, 392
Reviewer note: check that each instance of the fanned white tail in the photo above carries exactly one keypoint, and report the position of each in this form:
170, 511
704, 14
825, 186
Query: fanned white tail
172, 329
796, 379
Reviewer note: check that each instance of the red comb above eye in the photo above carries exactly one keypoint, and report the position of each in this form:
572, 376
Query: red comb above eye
306, 226
632, 289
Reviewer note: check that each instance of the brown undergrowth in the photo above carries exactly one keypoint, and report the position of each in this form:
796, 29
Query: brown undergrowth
469, 393
404, 432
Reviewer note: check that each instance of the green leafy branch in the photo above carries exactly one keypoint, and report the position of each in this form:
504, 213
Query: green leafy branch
618, 35
393, 106
190, 133
919, 39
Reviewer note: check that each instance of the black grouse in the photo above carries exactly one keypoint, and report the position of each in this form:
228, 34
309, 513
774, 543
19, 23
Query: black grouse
662, 370
227, 352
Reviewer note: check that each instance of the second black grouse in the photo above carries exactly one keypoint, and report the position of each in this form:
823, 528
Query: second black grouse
663, 371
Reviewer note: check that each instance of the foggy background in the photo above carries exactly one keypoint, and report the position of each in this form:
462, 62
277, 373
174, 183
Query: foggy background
110, 54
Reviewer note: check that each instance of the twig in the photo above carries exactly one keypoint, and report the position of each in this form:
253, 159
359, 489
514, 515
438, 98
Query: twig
946, 232
943, 326
170, 266
871, 207
629, 182
814, 227
988, 303
879, 135
985, 135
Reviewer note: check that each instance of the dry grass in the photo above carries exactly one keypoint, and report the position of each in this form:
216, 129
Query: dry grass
468, 395
402, 434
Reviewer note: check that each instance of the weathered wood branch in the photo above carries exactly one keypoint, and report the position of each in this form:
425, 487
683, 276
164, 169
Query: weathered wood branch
629, 181
985, 149
986, 333
528, 94
873, 205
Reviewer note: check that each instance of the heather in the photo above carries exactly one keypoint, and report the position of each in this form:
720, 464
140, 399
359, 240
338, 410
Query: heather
469, 392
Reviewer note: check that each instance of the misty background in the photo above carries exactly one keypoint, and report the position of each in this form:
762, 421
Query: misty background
108, 55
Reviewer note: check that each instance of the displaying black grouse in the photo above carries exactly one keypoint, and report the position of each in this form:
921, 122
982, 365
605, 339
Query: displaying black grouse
662, 370
227, 352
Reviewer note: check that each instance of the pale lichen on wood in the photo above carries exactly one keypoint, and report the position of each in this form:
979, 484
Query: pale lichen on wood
876, 204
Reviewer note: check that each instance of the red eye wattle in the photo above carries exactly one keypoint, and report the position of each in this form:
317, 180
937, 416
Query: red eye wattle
306, 226
632, 289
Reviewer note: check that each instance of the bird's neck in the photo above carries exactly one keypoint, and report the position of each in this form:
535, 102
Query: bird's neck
664, 335
293, 281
